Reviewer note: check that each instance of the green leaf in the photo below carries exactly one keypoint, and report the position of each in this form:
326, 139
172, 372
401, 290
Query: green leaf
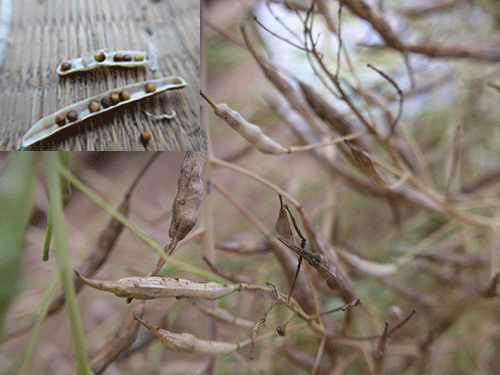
16, 182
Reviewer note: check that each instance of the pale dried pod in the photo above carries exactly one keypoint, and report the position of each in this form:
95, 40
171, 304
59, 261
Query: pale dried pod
48, 126
154, 287
188, 343
99, 58
252, 133
189, 192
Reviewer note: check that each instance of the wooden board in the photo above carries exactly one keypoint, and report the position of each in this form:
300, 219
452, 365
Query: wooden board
43, 33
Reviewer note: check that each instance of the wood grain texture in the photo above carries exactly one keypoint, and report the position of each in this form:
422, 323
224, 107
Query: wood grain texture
46, 32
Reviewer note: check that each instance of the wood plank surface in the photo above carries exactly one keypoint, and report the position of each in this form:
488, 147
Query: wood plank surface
44, 33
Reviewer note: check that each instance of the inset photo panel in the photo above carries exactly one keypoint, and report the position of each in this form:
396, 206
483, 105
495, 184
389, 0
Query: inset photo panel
114, 75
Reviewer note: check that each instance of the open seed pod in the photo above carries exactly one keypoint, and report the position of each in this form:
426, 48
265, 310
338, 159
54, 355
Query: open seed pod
92, 60
95, 105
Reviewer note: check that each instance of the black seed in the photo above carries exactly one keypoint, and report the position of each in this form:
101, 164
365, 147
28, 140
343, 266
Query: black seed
65, 66
106, 102
100, 56
72, 116
60, 120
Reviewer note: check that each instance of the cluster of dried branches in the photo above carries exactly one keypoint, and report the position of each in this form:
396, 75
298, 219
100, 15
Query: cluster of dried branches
440, 275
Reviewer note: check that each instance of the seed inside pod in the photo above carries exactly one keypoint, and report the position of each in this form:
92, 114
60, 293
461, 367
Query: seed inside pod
72, 116
127, 57
118, 57
124, 95
145, 137
94, 106
100, 56
60, 120
65, 66
150, 87
139, 57
106, 102
115, 98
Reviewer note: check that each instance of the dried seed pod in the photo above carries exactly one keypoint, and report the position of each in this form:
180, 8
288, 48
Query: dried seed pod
186, 342
127, 57
72, 116
188, 198
94, 106
124, 95
100, 56
189, 193
252, 133
96, 59
159, 287
65, 66
47, 126
60, 120
114, 97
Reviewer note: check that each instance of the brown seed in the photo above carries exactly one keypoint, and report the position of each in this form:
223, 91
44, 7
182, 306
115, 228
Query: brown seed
139, 57
115, 98
124, 95
100, 56
60, 120
94, 106
150, 87
127, 57
106, 102
145, 138
118, 57
66, 66
72, 116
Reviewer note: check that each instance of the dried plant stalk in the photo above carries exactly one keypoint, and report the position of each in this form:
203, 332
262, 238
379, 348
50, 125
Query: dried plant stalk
159, 287
119, 342
186, 342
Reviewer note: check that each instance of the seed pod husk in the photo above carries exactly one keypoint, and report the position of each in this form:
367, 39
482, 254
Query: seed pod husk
47, 126
159, 287
96, 59
186, 342
189, 193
